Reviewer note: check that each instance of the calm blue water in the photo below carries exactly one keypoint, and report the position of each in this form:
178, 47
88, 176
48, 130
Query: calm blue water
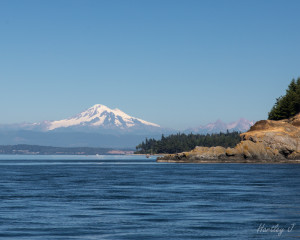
131, 197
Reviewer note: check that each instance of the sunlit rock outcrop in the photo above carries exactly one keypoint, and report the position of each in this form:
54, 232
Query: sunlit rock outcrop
266, 141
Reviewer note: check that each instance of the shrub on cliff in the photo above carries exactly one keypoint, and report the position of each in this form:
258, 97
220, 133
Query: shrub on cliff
288, 105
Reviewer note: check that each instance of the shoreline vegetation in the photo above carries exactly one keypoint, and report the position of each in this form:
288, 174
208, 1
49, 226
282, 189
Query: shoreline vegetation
176, 143
276, 140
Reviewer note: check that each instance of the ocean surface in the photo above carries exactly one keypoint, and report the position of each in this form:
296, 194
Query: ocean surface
132, 197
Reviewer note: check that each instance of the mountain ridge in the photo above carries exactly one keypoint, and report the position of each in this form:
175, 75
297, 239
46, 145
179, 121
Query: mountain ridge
103, 119
99, 126
241, 125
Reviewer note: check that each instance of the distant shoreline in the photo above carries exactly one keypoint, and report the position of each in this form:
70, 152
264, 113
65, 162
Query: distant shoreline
24, 149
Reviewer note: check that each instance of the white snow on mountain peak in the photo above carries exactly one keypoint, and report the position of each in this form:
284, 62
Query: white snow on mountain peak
100, 115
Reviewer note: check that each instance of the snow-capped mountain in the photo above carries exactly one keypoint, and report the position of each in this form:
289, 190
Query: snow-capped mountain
99, 117
240, 125
100, 126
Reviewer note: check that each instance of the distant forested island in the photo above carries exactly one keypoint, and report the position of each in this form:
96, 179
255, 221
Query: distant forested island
48, 150
181, 142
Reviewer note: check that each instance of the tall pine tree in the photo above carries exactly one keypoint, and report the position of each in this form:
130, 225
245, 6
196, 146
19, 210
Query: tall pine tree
288, 105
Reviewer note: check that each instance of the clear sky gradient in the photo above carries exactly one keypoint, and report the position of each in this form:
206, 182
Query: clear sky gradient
175, 63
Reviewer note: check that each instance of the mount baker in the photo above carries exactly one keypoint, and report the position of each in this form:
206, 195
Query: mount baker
99, 126
98, 117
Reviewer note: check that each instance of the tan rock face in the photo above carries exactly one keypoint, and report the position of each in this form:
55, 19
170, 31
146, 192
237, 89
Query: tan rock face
283, 136
208, 153
266, 140
251, 150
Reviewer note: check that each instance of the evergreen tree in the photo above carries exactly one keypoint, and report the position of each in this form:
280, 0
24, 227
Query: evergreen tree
181, 142
288, 105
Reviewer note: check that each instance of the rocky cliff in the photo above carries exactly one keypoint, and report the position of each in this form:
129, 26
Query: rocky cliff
267, 141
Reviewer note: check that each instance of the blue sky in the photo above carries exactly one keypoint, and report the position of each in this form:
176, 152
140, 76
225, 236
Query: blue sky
176, 63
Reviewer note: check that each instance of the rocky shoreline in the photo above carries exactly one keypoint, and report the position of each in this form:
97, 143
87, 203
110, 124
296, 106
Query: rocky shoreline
267, 141
212, 161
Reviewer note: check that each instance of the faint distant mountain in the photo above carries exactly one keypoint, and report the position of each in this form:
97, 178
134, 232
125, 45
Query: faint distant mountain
240, 125
73, 139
